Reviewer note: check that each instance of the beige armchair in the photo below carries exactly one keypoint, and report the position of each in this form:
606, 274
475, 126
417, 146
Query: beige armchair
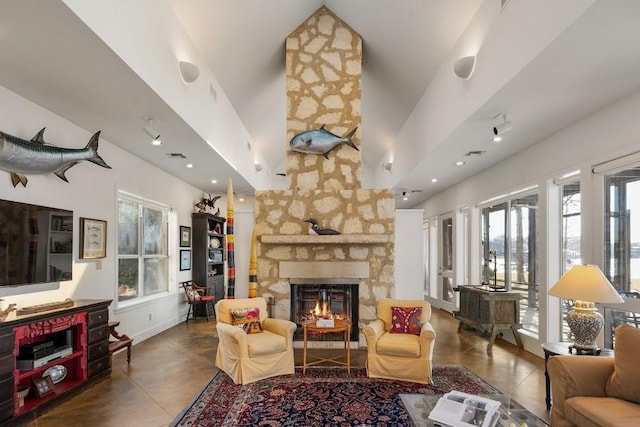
598, 391
400, 356
248, 357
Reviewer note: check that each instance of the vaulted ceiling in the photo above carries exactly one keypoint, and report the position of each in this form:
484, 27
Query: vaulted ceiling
545, 64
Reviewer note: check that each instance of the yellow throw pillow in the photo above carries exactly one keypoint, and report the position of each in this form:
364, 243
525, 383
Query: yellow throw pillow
623, 383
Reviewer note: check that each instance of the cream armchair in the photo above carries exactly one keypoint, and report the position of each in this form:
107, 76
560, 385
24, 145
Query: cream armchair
400, 356
251, 357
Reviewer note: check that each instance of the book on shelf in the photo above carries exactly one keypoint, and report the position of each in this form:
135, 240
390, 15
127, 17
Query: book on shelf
458, 409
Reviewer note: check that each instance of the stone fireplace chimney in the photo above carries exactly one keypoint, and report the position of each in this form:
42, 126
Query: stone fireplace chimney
323, 67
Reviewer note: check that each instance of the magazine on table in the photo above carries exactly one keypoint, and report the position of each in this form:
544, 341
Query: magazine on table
458, 409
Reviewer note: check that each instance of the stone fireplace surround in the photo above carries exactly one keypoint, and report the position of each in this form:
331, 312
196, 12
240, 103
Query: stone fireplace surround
365, 250
323, 64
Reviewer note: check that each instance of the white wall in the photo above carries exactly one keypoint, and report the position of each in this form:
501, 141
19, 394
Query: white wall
91, 192
408, 271
606, 134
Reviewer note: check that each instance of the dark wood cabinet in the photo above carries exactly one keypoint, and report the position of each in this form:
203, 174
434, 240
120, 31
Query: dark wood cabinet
73, 337
489, 310
208, 246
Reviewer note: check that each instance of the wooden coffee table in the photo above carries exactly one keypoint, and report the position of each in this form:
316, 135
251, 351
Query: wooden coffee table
343, 326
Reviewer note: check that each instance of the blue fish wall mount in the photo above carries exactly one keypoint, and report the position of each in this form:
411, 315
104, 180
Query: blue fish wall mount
20, 157
321, 141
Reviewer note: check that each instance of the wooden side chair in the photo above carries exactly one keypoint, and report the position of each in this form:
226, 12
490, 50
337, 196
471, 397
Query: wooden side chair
196, 299
119, 342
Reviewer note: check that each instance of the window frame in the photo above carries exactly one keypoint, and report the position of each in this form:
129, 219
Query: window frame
169, 221
504, 202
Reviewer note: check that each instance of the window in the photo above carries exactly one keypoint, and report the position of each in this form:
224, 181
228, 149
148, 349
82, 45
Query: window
622, 229
622, 246
510, 252
571, 236
143, 258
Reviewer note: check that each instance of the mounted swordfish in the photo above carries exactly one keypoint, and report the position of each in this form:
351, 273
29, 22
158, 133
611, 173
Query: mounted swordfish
19, 156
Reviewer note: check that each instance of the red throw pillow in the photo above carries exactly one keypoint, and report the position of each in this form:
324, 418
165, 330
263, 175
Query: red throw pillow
406, 320
247, 318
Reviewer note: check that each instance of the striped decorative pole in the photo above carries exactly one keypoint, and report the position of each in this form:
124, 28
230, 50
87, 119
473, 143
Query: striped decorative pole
231, 263
253, 267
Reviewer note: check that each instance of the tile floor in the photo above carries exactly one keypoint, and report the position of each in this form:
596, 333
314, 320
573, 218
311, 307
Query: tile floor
168, 370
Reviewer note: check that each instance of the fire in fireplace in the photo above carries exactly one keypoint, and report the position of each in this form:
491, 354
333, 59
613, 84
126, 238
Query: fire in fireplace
328, 298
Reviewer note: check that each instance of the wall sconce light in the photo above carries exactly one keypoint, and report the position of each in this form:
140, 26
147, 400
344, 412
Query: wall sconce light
502, 128
258, 167
152, 133
463, 67
387, 166
188, 71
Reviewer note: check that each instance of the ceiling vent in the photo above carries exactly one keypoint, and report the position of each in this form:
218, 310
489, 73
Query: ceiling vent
474, 153
176, 155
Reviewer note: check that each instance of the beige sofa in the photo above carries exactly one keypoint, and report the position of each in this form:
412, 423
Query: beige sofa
251, 357
598, 391
400, 356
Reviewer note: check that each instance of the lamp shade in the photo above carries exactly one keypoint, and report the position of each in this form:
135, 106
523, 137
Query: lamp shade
586, 283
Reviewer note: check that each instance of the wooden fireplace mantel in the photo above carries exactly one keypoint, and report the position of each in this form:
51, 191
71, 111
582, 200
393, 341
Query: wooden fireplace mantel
310, 239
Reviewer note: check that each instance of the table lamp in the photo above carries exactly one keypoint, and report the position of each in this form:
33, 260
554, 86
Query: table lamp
586, 285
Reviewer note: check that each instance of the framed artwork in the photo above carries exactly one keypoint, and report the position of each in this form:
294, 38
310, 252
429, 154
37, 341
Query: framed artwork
185, 259
185, 236
93, 238
43, 386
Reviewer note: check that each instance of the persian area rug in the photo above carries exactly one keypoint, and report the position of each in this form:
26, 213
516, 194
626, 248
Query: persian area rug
325, 396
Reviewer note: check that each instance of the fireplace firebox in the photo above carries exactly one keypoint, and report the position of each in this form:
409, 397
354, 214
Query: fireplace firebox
325, 297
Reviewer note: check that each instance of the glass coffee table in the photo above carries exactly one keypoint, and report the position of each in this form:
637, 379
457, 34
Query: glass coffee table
511, 413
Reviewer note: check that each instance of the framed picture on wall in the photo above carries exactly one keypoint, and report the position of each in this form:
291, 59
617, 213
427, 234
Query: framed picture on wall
93, 238
185, 259
185, 236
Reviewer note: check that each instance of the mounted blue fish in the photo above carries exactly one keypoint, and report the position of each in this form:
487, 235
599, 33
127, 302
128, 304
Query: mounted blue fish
19, 156
321, 141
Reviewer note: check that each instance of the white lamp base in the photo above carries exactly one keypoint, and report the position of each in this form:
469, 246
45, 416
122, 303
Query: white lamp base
585, 323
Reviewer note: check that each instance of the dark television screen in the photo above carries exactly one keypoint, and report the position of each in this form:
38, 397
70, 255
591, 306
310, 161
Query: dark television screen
36, 244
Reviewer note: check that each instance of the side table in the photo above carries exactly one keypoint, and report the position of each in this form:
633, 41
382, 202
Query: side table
339, 326
561, 348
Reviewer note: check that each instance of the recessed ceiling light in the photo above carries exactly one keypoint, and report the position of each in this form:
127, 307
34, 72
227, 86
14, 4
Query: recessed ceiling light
156, 142
497, 138
189, 165
460, 163
214, 181
434, 179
